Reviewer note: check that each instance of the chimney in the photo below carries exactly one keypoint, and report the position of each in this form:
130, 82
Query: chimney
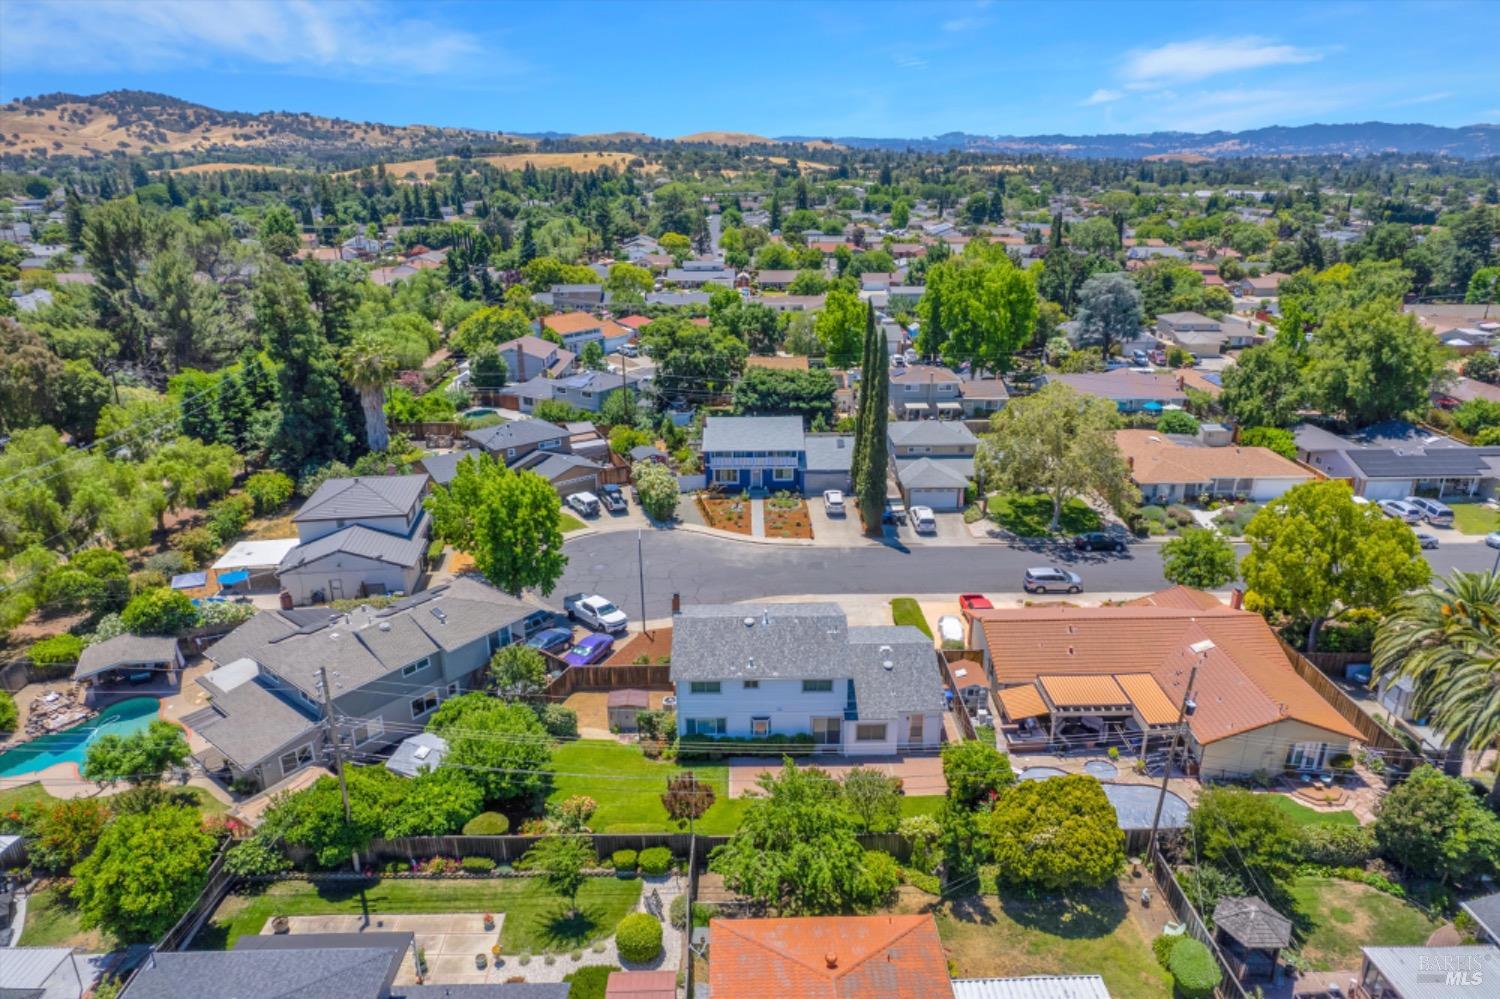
831, 959
1130, 461
1181, 382
676, 604
1236, 598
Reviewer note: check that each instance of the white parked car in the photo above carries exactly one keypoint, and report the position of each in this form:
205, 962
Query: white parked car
910, 355
950, 629
1435, 513
1401, 511
586, 504
596, 612
833, 502
922, 519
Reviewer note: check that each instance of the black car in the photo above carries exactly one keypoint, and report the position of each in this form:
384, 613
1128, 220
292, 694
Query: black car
1098, 541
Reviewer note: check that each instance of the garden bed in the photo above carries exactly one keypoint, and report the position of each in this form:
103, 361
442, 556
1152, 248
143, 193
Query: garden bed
787, 517
726, 513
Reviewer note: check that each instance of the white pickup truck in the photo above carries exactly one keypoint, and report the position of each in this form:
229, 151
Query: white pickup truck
595, 612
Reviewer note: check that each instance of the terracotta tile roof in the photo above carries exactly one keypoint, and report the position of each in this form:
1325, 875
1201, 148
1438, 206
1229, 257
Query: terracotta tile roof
1245, 682
1150, 700
635, 322
1022, 702
1155, 458
894, 957
1082, 691
1180, 597
570, 322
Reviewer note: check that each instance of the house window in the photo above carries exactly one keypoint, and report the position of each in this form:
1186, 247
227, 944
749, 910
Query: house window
922, 449
423, 704
369, 730
296, 759
726, 476
499, 640
752, 684
781, 475
453, 688
417, 666
310, 699
705, 726
1306, 755
704, 687
915, 730
760, 726
869, 732
817, 686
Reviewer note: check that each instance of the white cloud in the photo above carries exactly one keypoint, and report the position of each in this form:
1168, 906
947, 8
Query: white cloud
1423, 99
354, 38
910, 61
1235, 109
1102, 96
1205, 57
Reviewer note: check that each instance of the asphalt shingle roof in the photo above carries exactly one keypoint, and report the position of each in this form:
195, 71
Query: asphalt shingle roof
1253, 922
829, 452
752, 433
324, 973
930, 433
125, 650
364, 496
516, 433
935, 473
361, 541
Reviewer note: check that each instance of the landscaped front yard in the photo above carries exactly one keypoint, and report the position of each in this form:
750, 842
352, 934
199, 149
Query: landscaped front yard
726, 513
536, 919
1343, 916
1474, 518
786, 517
1028, 515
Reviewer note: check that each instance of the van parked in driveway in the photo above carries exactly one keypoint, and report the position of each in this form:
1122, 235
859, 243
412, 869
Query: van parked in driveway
1435, 513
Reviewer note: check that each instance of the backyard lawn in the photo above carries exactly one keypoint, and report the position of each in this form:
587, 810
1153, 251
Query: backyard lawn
12, 798
1090, 933
1474, 518
1342, 916
1028, 515
904, 610
536, 919
52, 921
1304, 816
628, 788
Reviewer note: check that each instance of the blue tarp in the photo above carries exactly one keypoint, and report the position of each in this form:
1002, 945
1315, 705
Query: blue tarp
189, 580
237, 576
1152, 405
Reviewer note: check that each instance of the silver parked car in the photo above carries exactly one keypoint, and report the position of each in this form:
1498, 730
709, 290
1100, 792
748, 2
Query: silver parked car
1435, 513
1401, 511
1051, 579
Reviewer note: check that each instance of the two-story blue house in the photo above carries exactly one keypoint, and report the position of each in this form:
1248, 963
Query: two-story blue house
757, 670
772, 453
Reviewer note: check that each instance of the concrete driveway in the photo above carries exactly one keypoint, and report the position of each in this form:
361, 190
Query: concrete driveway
842, 530
951, 530
920, 775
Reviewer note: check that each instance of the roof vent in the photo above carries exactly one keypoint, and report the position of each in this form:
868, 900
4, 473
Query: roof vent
422, 752
438, 613
749, 622
888, 664
333, 619
750, 662
1070, 650
831, 959
333, 635
885, 650
765, 616
385, 626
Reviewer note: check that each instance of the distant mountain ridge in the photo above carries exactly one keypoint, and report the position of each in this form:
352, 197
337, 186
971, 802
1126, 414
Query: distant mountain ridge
1360, 139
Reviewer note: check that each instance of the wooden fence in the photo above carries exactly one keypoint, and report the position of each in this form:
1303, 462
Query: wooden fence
956, 706
1373, 734
435, 428
1171, 892
180, 936
634, 676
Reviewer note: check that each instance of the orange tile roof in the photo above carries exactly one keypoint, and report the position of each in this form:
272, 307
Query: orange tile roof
1150, 701
1022, 702
1245, 683
1181, 597
635, 321
968, 673
893, 957
776, 362
570, 322
1082, 691
1154, 459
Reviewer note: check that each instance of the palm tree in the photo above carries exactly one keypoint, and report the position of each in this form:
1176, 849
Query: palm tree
1446, 639
368, 364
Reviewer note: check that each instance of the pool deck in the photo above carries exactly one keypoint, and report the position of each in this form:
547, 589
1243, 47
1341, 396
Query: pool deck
1187, 788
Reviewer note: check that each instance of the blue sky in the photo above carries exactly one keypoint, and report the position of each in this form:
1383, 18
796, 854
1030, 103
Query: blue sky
848, 68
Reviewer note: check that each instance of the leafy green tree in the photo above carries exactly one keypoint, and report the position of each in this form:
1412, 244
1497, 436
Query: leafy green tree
976, 772
1055, 835
873, 797
1177, 421
756, 324
502, 746
1315, 553
796, 849
629, 279
269, 490
1095, 235
563, 861
988, 307
692, 358
435, 803
1244, 832
146, 869
139, 758
776, 392
1109, 309
159, 611
314, 817
279, 232
510, 522
487, 328
29, 377
592, 356
82, 394
518, 671
1199, 557
61, 833
1371, 364
1434, 826
313, 421
657, 488
1272, 439
839, 326
1060, 442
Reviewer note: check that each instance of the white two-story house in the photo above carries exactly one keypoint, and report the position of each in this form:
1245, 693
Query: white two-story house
357, 537
758, 670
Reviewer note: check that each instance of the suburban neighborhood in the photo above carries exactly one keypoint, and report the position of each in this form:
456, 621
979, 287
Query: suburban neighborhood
473, 560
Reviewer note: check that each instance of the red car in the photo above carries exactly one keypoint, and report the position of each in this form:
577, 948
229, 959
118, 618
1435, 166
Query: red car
971, 602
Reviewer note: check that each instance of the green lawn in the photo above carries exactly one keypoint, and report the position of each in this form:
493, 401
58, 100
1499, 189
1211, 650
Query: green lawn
1090, 933
536, 919
14, 797
1028, 515
52, 921
567, 522
904, 610
1304, 816
1474, 518
1339, 917
628, 788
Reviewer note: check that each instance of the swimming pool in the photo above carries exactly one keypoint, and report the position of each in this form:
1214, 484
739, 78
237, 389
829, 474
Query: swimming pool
1134, 804
124, 718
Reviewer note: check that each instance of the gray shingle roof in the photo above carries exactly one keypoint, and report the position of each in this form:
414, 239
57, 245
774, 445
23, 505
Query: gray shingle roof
752, 433
1124, 384
125, 650
829, 452
364, 496
1253, 922
807, 641
930, 433
361, 541
935, 473
1486, 912
516, 433
246, 721
443, 467
551, 464
511, 990
259, 971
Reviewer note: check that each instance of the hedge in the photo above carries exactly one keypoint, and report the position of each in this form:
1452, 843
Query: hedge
57, 649
638, 938
487, 824
1193, 969
655, 860
477, 865
624, 860
1337, 846
589, 981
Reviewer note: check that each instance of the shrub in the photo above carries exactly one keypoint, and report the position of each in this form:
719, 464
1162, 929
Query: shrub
227, 517
269, 490
881, 875
589, 981
638, 938
1193, 969
1162, 948
9, 717
225, 615
1272, 438
657, 488
159, 612
487, 824
624, 860
1175, 421
169, 563
677, 911
197, 543
560, 722
477, 865
57, 649
655, 861
1337, 846
255, 856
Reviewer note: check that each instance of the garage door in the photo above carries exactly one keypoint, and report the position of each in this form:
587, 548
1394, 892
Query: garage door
938, 499
815, 483
1378, 491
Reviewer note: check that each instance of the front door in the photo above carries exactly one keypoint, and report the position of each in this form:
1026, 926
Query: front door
1306, 755
828, 731
757, 478
335, 589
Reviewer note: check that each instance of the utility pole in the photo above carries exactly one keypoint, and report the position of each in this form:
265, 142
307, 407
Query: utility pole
1184, 711
338, 752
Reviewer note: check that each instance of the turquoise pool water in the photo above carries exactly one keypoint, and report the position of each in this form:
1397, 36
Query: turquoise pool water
124, 718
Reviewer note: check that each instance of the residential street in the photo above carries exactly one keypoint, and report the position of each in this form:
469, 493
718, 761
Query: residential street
709, 570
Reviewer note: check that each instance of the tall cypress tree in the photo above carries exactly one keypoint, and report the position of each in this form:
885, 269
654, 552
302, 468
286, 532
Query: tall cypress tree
861, 409
872, 481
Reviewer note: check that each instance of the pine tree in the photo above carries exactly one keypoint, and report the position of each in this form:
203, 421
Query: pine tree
73, 219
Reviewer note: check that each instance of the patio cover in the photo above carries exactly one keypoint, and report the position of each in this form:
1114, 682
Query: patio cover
1022, 702
255, 554
189, 580
916, 407
949, 406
